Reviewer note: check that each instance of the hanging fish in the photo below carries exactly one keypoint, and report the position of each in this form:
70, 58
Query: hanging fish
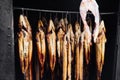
78, 53
65, 57
70, 39
25, 47
51, 41
100, 49
41, 46
60, 36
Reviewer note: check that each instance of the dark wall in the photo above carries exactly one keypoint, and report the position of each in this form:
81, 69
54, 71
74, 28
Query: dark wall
104, 5
6, 41
118, 48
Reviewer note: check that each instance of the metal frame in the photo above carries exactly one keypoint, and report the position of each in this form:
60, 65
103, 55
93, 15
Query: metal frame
55, 11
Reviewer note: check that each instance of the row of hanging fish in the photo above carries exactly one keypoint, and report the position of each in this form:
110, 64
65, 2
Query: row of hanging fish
61, 40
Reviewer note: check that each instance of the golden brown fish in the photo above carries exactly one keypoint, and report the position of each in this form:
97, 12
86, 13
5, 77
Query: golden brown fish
79, 53
65, 44
41, 46
100, 49
51, 41
25, 46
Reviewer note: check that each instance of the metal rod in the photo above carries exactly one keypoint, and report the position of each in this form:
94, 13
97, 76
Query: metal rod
55, 11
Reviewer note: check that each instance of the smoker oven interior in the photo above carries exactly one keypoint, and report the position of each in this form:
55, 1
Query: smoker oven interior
111, 29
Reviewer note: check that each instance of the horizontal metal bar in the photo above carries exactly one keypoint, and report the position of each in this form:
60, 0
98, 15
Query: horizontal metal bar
55, 11
41, 10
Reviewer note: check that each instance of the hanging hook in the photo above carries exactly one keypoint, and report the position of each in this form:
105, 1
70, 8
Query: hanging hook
45, 14
62, 15
50, 15
66, 14
23, 11
66, 22
77, 17
39, 15
80, 21
100, 18
56, 15
70, 17
26, 13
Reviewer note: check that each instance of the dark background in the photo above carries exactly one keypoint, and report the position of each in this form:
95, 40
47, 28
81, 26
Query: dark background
73, 5
104, 5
